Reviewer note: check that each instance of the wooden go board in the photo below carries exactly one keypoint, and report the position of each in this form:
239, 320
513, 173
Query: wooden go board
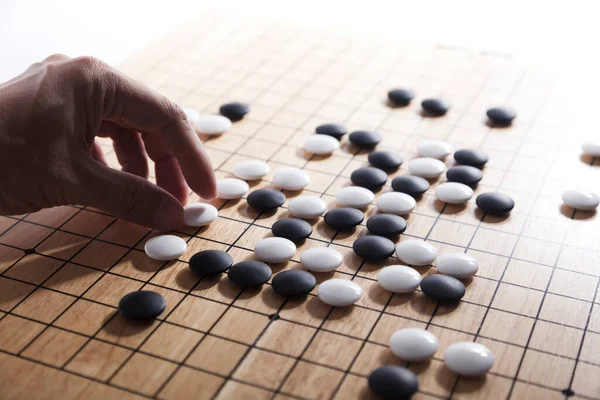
533, 302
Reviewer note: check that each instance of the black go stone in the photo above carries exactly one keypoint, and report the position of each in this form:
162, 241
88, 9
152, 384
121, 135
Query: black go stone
343, 218
495, 203
365, 138
266, 199
249, 273
210, 262
501, 115
373, 248
391, 382
293, 229
388, 225
385, 160
295, 282
437, 107
464, 174
472, 157
443, 288
401, 97
334, 130
234, 111
369, 177
142, 305
410, 184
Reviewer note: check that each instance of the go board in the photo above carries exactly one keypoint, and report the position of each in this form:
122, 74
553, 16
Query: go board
533, 301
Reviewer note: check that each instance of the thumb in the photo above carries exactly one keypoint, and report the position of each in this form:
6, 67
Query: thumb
132, 198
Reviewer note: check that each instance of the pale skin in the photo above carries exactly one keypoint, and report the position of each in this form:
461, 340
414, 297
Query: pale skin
49, 118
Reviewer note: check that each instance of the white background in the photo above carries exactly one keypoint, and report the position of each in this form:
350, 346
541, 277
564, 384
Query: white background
557, 33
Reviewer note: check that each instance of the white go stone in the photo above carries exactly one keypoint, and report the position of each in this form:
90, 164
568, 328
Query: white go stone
591, 148
416, 252
458, 265
307, 207
250, 170
199, 214
453, 193
354, 196
339, 292
413, 344
321, 144
321, 259
434, 148
469, 358
426, 167
231, 188
212, 124
192, 115
581, 199
290, 178
165, 247
275, 250
399, 278
396, 203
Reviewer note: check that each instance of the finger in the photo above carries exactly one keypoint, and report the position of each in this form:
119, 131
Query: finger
130, 197
149, 112
168, 172
129, 148
98, 154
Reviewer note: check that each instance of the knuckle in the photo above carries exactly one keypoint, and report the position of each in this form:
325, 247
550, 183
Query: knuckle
57, 57
87, 69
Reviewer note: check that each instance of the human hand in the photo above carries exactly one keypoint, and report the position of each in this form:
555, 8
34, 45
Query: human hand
49, 117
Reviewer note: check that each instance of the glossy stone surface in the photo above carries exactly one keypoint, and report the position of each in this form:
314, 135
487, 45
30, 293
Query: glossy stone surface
373, 248
274, 250
443, 288
199, 214
334, 130
501, 115
457, 265
495, 203
388, 225
469, 358
307, 207
265, 199
369, 177
142, 305
354, 196
435, 107
321, 259
339, 292
249, 273
343, 218
391, 382
385, 160
396, 203
399, 278
401, 97
410, 184
472, 157
293, 229
465, 174
234, 111
413, 344
209, 262
416, 252
295, 282
165, 247
365, 138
